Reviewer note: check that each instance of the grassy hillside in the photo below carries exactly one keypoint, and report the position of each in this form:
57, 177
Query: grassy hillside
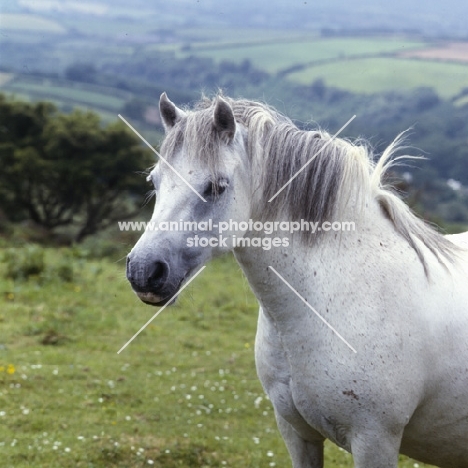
373, 75
183, 394
67, 93
281, 54
107, 102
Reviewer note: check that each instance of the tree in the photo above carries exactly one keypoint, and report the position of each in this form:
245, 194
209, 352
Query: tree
67, 170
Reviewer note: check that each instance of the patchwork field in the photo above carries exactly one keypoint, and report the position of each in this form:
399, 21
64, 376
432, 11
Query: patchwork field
279, 55
359, 64
363, 65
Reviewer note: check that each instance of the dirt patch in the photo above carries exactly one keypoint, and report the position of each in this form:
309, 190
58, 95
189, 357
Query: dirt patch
351, 394
451, 51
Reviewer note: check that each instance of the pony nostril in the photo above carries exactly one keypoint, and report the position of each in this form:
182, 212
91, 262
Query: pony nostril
158, 274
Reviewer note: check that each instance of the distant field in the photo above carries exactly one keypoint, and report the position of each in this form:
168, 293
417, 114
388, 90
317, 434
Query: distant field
363, 65
97, 26
453, 51
68, 94
231, 39
380, 74
238, 35
282, 54
370, 64
13, 21
107, 102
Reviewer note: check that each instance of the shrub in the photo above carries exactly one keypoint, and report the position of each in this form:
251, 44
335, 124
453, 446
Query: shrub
24, 263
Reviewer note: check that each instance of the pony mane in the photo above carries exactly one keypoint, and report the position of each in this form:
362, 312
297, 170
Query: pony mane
342, 173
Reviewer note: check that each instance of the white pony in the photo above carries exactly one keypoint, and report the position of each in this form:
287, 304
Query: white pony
394, 289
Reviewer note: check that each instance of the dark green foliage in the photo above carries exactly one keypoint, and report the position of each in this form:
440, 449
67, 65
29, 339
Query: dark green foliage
29, 262
64, 272
67, 170
190, 74
24, 263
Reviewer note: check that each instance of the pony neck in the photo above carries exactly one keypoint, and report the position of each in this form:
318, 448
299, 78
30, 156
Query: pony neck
310, 266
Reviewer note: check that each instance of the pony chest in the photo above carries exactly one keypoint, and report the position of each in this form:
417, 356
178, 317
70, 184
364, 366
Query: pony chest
305, 403
308, 399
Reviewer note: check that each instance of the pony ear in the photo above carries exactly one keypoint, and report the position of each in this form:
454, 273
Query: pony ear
224, 120
170, 113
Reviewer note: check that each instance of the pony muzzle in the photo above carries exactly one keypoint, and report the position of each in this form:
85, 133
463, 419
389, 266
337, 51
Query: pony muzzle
153, 299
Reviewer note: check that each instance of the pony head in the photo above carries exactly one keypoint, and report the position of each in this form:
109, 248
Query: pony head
201, 181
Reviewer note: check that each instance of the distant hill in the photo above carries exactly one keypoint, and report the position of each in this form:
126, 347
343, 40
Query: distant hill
430, 18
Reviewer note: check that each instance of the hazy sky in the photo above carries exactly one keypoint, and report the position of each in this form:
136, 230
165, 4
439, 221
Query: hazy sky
431, 17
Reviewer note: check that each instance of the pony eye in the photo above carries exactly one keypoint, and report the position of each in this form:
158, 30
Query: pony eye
215, 188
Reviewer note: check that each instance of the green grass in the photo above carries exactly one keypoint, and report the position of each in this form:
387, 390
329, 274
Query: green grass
184, 393
374, 75
283, 53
